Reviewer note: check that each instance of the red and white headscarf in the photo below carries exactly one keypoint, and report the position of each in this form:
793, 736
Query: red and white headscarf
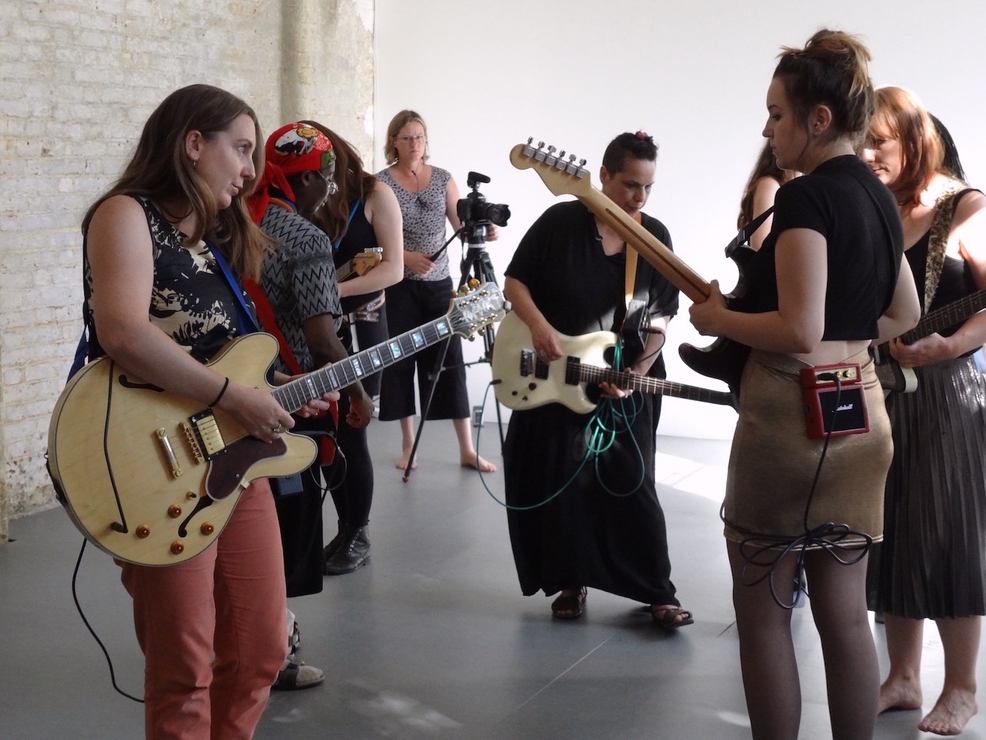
293, 148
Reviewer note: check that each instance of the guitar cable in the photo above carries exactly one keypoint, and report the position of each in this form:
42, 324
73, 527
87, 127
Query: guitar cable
599, 436
828, 537
340, 462
78, 606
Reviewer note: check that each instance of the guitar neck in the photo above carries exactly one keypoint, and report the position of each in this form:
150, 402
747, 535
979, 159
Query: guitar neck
941, 318
946, 316
294, 395
645, 384
683, 277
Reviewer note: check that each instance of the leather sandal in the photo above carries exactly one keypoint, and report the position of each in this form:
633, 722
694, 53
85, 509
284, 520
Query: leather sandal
569, 606
298, 675
667, 616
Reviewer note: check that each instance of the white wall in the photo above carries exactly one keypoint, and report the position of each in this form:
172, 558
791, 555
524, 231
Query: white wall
486, 75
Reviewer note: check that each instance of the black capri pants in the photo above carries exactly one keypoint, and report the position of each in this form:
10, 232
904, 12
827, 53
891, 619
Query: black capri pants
412, 303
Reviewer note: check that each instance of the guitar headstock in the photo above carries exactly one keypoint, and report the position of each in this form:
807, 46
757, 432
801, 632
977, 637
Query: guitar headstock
562, 176
474, 308
367, 260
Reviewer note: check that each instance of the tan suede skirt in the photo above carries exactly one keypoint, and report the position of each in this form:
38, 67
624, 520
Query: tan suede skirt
773, 461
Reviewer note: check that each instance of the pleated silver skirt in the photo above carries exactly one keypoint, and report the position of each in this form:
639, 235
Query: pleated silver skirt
932, 562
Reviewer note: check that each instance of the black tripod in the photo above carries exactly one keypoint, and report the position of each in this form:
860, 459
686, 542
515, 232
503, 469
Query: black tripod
475, 266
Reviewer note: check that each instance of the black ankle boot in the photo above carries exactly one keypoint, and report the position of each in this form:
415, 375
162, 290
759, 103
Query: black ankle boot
336, 542
354, 552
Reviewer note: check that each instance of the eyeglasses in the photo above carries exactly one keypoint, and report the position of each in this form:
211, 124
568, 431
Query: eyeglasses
330, 184
412, 139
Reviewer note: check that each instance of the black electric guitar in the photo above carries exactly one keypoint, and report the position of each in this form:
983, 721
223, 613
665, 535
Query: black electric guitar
895, 378
522, 381
724, 360
152, 477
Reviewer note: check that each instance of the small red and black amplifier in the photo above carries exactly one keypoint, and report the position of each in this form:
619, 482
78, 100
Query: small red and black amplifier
821, 391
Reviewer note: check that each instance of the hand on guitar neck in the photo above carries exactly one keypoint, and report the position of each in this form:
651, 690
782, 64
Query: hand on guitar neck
723, 360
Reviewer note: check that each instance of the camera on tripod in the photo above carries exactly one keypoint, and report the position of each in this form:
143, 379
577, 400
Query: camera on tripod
475, 212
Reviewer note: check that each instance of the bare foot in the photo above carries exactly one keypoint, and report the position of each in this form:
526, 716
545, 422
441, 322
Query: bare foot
484, 465
899, 694
402, 463
952, 710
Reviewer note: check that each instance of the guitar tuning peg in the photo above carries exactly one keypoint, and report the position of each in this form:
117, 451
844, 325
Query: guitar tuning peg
539, 154
529, 150
581, 163
529, 140
551, 149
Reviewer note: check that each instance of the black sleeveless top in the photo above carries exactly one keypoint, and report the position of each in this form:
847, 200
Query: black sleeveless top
359, 236
956, 280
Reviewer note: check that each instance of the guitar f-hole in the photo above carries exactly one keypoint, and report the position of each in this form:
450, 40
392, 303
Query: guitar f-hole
203, 503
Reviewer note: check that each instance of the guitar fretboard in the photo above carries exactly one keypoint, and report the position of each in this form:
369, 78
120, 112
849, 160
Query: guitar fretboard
576, 372
941, 318
295, 394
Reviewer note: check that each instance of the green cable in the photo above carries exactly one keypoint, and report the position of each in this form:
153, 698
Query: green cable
600, 435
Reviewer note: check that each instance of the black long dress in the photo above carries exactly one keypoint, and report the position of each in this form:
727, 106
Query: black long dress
616, 539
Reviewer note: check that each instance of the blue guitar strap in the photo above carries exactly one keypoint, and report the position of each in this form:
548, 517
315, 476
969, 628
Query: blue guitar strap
247, 323
352, 212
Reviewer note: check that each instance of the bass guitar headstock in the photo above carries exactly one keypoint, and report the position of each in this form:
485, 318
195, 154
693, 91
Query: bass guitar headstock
561, 175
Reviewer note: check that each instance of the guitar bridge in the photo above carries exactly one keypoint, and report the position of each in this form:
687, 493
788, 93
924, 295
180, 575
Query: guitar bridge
204, 437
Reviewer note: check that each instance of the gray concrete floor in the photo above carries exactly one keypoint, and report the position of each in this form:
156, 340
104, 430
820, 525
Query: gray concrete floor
433, 638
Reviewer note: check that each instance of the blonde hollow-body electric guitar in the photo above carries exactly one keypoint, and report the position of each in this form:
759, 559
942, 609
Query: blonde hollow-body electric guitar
151, 477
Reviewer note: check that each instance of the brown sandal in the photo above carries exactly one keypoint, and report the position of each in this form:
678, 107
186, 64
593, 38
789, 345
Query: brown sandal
667, 616
569, 606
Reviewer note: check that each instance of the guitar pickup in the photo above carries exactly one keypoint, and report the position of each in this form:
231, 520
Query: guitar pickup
527, 362
202, 431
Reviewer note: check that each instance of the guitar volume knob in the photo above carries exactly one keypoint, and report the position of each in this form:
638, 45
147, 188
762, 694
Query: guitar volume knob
207, 528
143, 532
174, 511
177, 547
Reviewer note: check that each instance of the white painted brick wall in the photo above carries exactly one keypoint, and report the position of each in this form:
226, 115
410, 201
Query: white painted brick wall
78, 79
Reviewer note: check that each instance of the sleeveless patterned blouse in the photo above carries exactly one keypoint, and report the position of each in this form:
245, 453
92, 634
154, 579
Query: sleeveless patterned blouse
191, 301
424, 220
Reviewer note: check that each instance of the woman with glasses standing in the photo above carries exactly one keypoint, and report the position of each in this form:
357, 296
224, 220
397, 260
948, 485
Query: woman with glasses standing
427, 196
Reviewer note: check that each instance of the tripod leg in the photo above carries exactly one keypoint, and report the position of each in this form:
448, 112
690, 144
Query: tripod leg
425, 407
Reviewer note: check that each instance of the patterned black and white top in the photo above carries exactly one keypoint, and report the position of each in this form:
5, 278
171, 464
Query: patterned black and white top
424, 220
299, 278
191, 301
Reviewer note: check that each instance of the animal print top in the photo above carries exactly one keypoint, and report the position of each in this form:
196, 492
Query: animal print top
191, 301
424, 220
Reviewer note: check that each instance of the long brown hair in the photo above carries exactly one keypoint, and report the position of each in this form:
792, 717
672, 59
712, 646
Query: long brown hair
766, 166
354, 182
161, 171
901, 116
831, 70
